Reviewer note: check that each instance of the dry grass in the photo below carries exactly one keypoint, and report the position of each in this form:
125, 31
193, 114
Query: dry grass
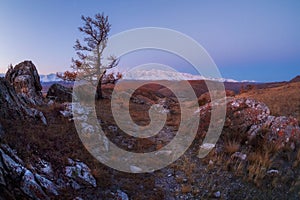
231, 146
259, 163
282, 100
186, 188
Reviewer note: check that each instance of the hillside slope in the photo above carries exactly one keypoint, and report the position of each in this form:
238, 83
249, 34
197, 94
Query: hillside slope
282, 100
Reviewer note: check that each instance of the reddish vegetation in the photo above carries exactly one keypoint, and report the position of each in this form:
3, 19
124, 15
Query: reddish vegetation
225, 170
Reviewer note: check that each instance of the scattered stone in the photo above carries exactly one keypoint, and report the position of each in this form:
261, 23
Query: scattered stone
217, 194
239, 155
135, 169
207, 146
273, 171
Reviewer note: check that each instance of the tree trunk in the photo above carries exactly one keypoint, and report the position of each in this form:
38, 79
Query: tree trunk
99, 88
99, 91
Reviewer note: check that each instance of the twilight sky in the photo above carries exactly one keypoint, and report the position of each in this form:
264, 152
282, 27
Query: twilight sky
253, 40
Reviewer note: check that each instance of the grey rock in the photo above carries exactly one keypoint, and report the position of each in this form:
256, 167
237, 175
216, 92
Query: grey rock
239, 155
80, 171
30, 187
122, 195
135, 169
47, 185
74, 185
13, 106
273, 171
44, 167
217, 194
12, 153
2, 180
15, 169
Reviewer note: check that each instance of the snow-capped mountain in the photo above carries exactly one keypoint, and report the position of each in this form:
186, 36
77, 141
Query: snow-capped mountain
49, 78
157, 74
152, 74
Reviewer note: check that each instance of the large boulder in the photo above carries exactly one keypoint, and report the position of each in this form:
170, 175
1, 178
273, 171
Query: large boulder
59, 93
25, 79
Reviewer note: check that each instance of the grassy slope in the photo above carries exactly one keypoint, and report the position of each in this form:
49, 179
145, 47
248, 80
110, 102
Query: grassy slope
282, 100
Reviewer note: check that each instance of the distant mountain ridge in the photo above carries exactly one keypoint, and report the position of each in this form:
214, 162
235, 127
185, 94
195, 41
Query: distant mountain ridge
296, 79
158, 74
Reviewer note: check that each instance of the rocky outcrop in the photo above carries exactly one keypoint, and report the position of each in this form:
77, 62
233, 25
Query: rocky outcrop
248, 120
25, 79
14, 107
37, 181
59, 93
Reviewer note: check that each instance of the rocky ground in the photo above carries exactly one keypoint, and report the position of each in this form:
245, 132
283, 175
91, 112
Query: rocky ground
41, 156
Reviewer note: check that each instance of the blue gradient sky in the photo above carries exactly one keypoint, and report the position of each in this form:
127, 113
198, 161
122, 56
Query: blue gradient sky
251, 40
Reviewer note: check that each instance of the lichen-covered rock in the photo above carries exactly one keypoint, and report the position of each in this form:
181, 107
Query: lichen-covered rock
59, 93
241, 114
246, 119
244, 113
281, 130
25, 79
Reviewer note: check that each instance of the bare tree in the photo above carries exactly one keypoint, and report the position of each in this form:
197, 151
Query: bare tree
88, 66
